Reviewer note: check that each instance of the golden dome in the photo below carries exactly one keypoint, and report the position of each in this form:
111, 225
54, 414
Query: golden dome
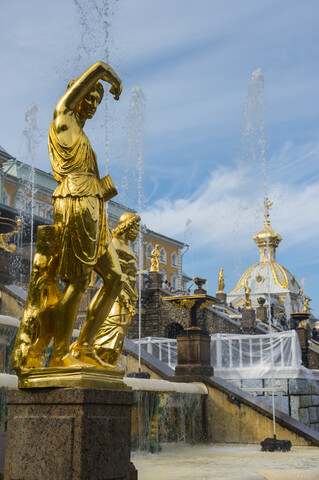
267, 236
266, 276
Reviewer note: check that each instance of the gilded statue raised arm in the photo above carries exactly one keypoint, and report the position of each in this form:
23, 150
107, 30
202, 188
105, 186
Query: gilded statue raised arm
109, 341
82, 239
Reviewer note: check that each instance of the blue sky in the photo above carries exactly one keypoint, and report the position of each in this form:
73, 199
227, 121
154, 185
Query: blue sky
193, 61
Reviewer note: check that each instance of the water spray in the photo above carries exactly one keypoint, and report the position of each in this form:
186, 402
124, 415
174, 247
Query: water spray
30, 134
256, 148
135, 144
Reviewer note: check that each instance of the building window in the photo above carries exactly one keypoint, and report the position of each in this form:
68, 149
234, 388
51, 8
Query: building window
174, 281
149, 250
174, 259
164, 274
163, 256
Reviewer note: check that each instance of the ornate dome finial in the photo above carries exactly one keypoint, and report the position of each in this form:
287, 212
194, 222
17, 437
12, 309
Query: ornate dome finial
267, 239
267, 206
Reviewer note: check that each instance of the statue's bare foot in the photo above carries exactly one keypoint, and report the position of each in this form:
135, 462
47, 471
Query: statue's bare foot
87, 355
66, 361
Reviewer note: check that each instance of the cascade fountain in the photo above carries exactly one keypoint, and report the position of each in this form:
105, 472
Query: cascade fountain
213, 462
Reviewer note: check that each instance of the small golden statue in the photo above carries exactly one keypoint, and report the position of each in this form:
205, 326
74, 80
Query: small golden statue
155, 256
108, 343
221, 283
5, 237
306, 308
79, 242
247, 294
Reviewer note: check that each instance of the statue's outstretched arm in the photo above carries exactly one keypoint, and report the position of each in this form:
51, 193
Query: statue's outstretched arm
85, 83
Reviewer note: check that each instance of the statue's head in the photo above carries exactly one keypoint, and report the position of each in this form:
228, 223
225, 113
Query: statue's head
87, 107
129, 225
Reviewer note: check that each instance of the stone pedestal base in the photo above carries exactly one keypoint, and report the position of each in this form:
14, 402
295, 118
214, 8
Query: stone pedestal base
154, 280
222, 297
248, 321
303, 336
193, 354
261, 314
84, 377
69, 434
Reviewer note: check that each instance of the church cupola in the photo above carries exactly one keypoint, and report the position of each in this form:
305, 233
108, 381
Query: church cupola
267, 238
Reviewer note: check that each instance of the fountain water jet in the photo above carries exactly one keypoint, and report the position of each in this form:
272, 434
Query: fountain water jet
254, 149
30, 133
97, 13
135, 145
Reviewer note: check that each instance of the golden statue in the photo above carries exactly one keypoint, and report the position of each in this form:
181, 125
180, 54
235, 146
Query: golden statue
247, 294
155, 256
5, 237
80, 241
108, 343
306, 308
37, 326
221, 283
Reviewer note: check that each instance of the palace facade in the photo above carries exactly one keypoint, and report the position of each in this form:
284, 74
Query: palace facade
27, 192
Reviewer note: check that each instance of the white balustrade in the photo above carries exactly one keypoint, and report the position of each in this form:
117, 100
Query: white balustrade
239, 356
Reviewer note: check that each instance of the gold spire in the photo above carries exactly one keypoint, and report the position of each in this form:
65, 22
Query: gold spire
267, 237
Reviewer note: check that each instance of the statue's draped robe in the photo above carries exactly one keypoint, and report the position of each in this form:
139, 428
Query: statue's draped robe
79, 208
113, 331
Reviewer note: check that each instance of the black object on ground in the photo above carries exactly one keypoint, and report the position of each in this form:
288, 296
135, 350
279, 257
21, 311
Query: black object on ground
139, 375
274, 445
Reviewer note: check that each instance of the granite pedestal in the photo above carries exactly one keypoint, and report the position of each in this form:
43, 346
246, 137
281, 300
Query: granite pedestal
154, 280
248, 321
303, 335
261, 314
69, 434
222, 297
193, 354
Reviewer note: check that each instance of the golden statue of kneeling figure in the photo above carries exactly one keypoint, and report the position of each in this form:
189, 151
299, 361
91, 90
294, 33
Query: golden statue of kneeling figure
78, 243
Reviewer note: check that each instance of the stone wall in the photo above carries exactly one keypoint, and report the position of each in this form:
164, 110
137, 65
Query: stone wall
157, 315
231, 420
313, 358
211, 321
298, 398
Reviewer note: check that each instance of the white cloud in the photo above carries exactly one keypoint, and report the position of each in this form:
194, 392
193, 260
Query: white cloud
227, 210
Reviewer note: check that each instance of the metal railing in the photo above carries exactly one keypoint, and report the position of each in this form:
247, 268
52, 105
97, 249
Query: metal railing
165, 349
